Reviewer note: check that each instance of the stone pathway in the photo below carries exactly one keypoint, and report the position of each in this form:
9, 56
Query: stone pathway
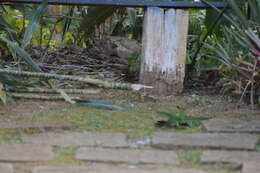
205, 140
128, 156
25, 153
78, 139
230, 156
34, 126
232, 125
114, 152
112, 169
6, 168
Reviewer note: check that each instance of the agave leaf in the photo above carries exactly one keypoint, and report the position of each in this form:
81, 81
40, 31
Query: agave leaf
1, 8
222, 51
211, 16
186, 118
132, 15
240, 40
167, 114
255, 10
179, 118
4, 23
192, 121
228, 64
22, 54
34, 23
254, 38
65, 96
99, 104
23, 8
258, 6
2, 93
243, 38
219, 11
239, 13
10, 80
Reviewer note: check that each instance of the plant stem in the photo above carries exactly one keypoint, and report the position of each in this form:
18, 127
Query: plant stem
42, 97
96, 82
53, 91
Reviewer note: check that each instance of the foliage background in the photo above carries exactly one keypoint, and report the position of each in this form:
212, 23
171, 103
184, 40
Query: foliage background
223, 47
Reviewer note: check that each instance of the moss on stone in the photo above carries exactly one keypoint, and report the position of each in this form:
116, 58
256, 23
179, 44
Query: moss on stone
64, 156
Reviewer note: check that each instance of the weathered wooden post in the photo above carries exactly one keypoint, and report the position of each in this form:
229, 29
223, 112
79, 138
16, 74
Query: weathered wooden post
164, 50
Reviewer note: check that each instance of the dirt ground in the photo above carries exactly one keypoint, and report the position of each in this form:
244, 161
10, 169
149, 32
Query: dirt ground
197, 104
136, 122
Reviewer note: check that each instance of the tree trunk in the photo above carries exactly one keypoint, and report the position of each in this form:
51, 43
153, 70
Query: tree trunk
164, 50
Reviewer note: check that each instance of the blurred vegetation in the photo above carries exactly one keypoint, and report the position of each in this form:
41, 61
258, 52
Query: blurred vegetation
228, 55
223, 45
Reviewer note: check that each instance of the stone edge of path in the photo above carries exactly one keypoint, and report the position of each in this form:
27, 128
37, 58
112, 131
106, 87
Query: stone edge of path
169, 140
34, 126
231, 125
240, 157
112, 169
247, 159
251, 167
14, 153
127, 155
6, 168
89, 139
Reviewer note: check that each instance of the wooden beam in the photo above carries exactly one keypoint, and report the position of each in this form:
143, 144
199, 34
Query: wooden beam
124, 3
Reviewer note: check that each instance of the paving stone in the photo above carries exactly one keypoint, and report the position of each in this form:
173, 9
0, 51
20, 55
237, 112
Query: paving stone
205, 140
78, 139
127, 155
6, 168
25, 153
33, 126
251, 167
232, 125
112, 169
230, 156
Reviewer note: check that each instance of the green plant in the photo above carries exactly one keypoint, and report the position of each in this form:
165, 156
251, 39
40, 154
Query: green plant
93, 17
2, 94
135, 60
10, 36
239, 49
179, 119
64, 156
258, 145
190, 157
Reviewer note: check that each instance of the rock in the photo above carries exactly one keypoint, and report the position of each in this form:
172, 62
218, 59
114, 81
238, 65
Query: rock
78, 139
251, 167
127, 155
25, 153
120, 46
112, 169
230, 156
6, 168
33, 126
205, 140
232, 125
249, 160
51, 169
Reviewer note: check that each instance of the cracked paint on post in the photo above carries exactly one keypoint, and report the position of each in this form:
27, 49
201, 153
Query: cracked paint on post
164, 49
